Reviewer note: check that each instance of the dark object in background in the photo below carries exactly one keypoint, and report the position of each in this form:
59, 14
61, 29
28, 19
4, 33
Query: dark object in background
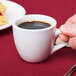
71, 71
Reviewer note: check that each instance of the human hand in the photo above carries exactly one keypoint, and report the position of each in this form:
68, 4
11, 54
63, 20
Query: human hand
69, 30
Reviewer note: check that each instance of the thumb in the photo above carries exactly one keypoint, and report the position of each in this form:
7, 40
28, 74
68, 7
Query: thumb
68, 29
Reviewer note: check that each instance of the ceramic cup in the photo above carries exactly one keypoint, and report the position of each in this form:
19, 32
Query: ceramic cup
36, 45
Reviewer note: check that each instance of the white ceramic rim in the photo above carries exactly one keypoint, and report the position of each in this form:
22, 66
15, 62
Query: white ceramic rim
53, 25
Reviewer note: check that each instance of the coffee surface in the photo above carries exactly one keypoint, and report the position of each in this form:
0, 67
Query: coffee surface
34, 25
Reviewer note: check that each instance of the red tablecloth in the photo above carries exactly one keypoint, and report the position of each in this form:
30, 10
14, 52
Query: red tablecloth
58, 63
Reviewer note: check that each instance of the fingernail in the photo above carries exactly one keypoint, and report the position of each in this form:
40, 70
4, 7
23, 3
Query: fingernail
63, 28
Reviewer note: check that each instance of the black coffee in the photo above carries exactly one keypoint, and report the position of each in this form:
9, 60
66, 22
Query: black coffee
34, 25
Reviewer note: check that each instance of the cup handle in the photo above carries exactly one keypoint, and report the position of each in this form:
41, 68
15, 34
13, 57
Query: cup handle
58, 46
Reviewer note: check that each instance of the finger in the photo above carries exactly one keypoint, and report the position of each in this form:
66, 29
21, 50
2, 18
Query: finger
72, 42
71, 20
68, 22
69, 30
63, 37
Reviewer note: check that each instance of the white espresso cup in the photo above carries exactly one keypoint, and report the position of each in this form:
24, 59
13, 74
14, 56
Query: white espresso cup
36, 45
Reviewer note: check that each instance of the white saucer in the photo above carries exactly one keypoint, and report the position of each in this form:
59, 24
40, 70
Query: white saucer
13, 12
